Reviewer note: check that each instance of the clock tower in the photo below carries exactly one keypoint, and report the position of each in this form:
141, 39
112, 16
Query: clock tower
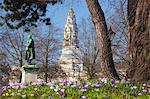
71, 57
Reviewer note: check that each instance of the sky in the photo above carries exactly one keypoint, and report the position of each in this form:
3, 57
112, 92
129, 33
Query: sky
58, 12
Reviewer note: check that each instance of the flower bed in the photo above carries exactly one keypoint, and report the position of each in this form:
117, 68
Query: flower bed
85, 89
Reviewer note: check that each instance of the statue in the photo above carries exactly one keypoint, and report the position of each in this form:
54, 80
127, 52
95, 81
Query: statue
30, 53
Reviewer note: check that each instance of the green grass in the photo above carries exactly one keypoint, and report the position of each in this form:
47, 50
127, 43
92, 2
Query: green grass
85, 89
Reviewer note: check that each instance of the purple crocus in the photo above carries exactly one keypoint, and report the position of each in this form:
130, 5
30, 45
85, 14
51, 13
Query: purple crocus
1, 91
134, 87
62, 92
123, 81
104, 80
1, 94
22, 86
1, 83
69, 83
116, 82
62, 84
4, 88
112, 81
15, 86
83, 83
144, 91
66, 81
98, 84
49, 84
85, 87
38, 83
34, 83
8, 86
57, 88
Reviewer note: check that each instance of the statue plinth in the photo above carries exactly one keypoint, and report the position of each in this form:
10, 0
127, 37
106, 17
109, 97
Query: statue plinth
29, 73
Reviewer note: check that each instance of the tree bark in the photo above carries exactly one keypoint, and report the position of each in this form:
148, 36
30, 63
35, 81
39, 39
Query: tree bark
106, 58
46, 62
139, 40
21, 54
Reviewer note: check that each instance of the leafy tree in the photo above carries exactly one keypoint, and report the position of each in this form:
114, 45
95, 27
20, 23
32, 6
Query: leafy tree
20, 13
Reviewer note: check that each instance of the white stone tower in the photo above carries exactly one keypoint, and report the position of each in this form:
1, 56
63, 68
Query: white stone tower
71, 56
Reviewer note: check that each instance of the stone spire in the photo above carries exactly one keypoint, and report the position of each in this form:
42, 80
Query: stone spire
71, 57
71, 31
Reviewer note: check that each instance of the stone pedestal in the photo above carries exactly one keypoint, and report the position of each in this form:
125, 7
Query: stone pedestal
29, 73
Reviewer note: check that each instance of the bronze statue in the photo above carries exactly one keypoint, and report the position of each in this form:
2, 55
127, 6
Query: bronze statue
30, 53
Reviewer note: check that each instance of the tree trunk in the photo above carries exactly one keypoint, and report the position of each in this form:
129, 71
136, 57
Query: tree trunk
139, 40
20, 77
106, 59
46, 62
21, 55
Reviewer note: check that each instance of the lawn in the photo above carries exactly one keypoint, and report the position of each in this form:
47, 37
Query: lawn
84, 89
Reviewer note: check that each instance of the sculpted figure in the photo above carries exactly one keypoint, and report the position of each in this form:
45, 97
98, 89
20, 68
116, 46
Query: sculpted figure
67, 37
30, 53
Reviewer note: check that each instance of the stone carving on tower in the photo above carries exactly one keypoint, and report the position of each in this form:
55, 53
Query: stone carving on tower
71, 56
71, 31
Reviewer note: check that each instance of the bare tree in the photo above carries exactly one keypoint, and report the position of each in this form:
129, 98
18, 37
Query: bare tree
119, 35
46, 46
118, 22
13, 44
4, 69
139, 38
89, 47
106, 58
